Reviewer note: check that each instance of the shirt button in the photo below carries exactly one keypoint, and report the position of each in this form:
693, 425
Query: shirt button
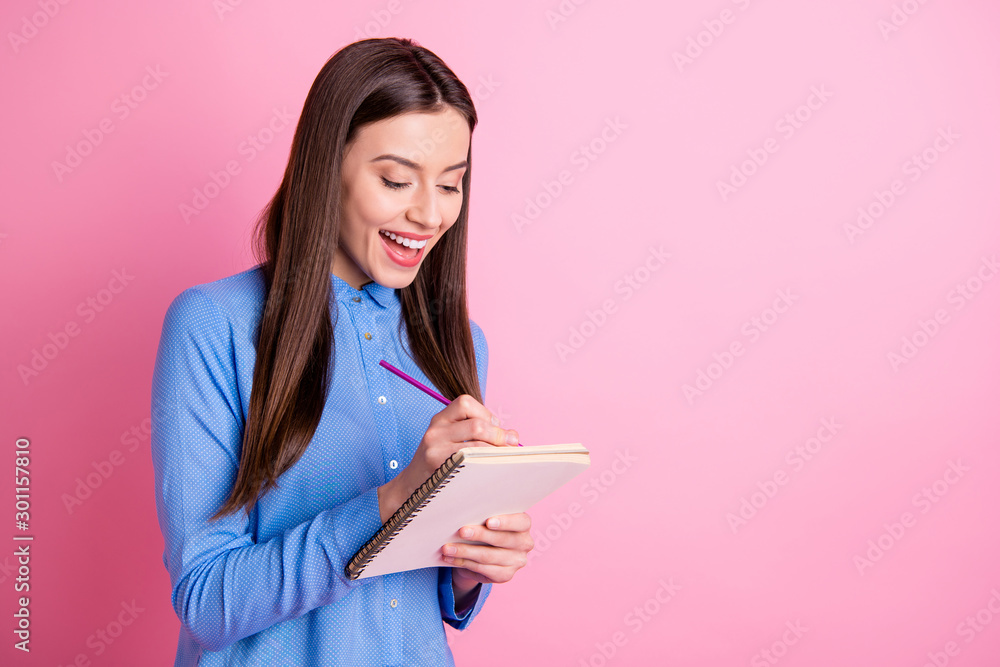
394, 464
356, 299
368, 336
381, 399
393, 603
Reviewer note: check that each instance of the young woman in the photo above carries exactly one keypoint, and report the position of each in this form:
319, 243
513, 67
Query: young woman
279, 444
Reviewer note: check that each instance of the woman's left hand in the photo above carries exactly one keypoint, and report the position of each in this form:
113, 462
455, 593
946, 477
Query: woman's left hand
508, 542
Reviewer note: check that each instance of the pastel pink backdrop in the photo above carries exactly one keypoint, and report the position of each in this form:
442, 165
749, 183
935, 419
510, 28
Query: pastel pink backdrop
699, 536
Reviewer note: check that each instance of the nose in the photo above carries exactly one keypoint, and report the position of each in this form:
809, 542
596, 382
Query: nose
424, 209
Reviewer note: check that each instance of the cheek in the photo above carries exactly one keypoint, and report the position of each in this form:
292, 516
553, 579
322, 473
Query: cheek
453, 217
368, 209
377, 205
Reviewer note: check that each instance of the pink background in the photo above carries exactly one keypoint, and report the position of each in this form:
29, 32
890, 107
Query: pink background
645, 559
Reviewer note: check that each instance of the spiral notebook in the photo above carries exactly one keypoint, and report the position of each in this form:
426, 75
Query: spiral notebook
472, 485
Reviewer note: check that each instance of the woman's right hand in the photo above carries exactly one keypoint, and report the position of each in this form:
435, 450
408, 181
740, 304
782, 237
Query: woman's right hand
465, 422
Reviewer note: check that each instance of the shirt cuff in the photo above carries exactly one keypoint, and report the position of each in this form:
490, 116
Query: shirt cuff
446, 593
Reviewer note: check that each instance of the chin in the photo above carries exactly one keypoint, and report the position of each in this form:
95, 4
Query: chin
397, 279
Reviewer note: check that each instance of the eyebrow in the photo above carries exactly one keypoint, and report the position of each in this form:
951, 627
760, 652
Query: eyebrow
413, 165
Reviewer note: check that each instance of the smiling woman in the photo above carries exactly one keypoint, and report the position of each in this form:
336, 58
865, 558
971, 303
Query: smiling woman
278, 453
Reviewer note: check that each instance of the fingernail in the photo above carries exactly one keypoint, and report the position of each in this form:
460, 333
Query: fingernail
493, 523
448, 549
511, 438
495, 420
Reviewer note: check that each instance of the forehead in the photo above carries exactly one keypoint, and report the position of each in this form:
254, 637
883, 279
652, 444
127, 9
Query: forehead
432, 139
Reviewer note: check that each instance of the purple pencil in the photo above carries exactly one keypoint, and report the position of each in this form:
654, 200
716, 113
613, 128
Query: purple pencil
419, 385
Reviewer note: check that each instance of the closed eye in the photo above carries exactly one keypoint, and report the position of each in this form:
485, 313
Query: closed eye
399, 186
393, 185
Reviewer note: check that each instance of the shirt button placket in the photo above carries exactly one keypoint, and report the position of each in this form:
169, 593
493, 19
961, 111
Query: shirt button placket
373, 350
395, 616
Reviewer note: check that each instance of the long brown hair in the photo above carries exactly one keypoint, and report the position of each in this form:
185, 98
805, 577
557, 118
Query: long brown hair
296, 235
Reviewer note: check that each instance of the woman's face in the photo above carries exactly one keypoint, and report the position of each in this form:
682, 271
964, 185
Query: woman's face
401, 175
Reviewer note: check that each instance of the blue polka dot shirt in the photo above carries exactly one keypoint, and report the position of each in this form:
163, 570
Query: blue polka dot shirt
269, 589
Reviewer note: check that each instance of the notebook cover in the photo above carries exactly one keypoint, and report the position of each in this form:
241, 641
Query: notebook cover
472, 485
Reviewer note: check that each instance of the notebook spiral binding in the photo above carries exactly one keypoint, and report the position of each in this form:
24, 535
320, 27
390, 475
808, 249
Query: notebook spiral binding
404, 515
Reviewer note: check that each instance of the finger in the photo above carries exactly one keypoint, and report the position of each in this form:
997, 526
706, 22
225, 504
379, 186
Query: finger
486, 555
466, 407
488, 573
478, 426
498, 538
519, 522
475, 576
477, 432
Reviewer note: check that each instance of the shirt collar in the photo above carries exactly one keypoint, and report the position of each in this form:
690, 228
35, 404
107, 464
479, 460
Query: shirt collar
380, 294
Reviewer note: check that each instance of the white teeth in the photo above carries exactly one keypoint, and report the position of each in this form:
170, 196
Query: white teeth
408, 243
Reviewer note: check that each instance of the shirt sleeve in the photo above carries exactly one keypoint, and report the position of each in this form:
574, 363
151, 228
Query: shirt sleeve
224, 585
446, 591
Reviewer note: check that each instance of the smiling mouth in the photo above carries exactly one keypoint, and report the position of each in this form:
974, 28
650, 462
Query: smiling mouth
402, 246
